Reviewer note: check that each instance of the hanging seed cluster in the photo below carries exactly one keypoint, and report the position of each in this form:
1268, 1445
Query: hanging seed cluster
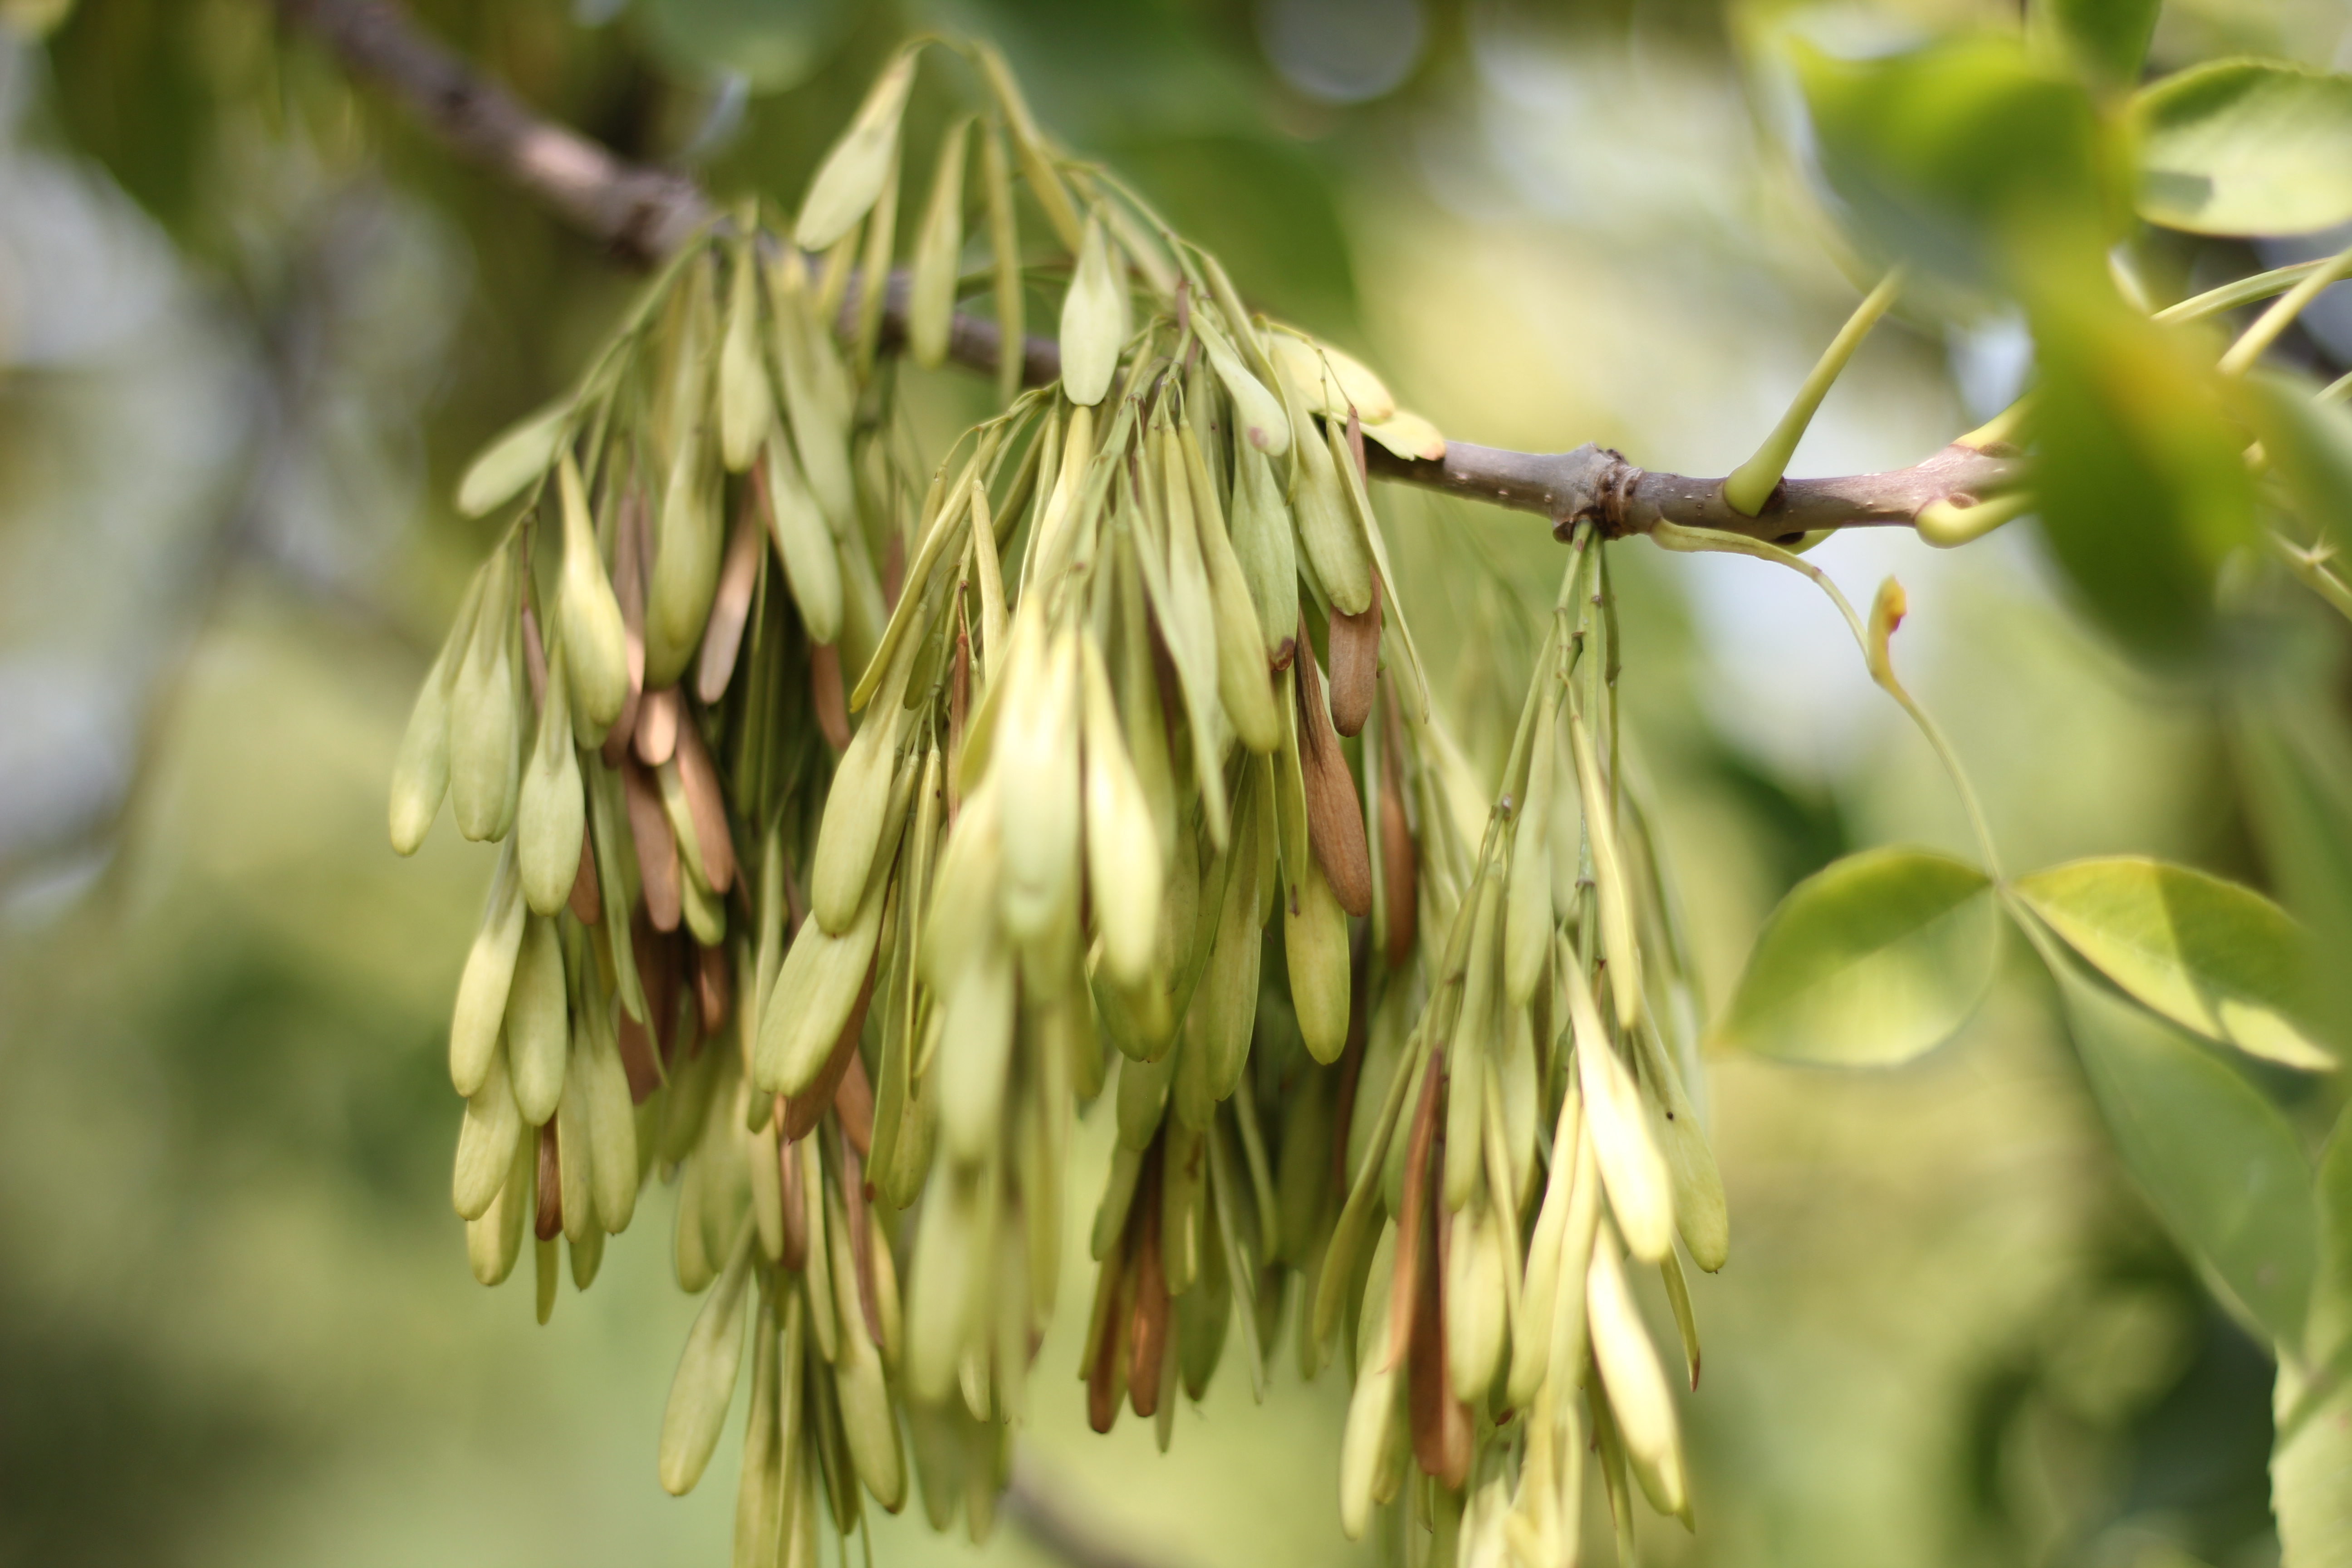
862, 821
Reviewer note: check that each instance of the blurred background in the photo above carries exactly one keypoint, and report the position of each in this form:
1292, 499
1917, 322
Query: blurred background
253, 323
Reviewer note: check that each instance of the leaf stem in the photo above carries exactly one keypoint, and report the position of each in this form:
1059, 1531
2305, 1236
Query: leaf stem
2267, 327
1673, 536
1751, 484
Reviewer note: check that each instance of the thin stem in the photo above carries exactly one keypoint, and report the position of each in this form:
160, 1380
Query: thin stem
2311, 565
2273, 322
1751, 484
2238, 291
1692, 539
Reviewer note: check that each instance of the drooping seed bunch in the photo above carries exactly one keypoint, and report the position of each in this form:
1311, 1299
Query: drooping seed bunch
1131, 682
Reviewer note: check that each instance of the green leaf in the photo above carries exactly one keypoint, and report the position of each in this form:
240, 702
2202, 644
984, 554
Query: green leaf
2311, 1463
2246, 146
1955, 156
2221, 1164
2207, 954
2107, 40
2142, 477
1867, 963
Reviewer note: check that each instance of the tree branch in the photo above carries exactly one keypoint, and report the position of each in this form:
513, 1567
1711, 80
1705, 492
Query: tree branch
640, 213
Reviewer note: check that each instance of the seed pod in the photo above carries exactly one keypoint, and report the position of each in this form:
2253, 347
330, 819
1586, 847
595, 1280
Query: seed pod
805, 1110
1640, 1189
807, 366
1331, 551
1315, 942
1670, 1274
1518, 1080
486, 1142
1334, 816
656, 846
1036, 760
1643, 1409
964, 891
762, 1161
659, 715
1141, 713
705, 809
629, 592
612, 1123
494, 1240
730, 611
1004, 241
1527, 922
1094, 317
1123, 864
1242, 683
1440, 1423
803, 546
744, 410
685, 576
1036, 158
705, 1380
760, 1493
852, 173
1333, 383
1258, 416
878, 243
1291, 838
813, 996
587, 1258
953, 1249
1616, 897
1477, 1288
485, 719
1224, 1002
420, 772
537, 1033
1183, 1181
858, 805
1571, 1160
1399, 856
804, 1192
1700, 1214
1203, 1314
489, 975
938, 245
1467, 1062
514, 457
988, 572
868, 1420
1143, 1099
573, 1148
1187, 618
1264, 546
590, 627
1355, 643
552, 814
